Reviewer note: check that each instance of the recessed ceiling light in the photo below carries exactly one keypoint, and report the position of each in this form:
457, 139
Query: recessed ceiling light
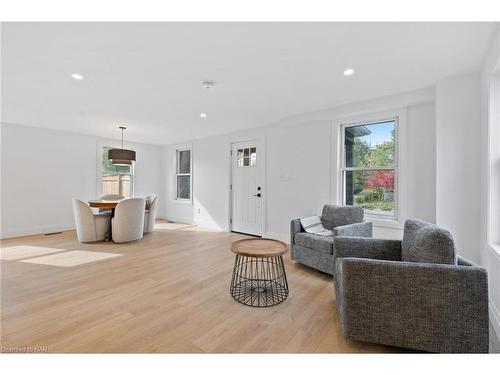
203, 115
77, 76
349, 72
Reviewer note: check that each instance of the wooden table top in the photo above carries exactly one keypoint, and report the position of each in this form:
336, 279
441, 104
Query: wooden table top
259, 247
101, 203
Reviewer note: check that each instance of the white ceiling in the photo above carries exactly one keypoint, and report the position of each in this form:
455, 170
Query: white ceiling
147, 75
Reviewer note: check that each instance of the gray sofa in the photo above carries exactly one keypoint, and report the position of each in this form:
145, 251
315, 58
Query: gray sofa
414, 293
317, 251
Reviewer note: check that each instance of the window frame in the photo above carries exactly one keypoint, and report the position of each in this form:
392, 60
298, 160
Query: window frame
493, 157
342, 166
177, 174
101, 174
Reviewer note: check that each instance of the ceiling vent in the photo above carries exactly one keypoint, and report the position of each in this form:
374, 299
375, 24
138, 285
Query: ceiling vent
207, 85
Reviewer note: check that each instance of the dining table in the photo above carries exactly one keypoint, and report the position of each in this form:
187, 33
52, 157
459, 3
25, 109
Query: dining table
104, 203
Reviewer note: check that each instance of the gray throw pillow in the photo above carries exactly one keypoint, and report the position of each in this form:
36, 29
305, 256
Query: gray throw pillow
425, 242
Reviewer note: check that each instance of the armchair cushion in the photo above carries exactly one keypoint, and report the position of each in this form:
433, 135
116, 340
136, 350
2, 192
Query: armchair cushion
368, 248
319, 243
427, 243
334, 216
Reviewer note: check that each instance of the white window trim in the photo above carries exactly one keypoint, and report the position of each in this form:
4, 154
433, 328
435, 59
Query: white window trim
336, 192
99, 174
175, 174
493, 155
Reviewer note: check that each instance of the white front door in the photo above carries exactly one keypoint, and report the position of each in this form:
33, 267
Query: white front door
247, 163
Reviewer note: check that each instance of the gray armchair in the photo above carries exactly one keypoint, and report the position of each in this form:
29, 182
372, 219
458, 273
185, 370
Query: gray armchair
386, 295
318, 251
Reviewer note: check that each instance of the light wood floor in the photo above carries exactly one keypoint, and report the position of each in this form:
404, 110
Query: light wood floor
167, 293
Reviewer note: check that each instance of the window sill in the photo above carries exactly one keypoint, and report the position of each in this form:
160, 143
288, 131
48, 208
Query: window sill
382, 223
495, 248
187, 202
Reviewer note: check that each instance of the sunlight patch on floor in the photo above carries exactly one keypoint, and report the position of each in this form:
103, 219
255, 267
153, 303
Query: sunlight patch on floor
172, 226
71, 258
21, 252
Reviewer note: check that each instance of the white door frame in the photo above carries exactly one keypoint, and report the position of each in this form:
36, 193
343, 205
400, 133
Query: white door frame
264, 185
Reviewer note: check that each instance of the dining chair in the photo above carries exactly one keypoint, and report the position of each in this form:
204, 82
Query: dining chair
128, 223
150, 213
90, 227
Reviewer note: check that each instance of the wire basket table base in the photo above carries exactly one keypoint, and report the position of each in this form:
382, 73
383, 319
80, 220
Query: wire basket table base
259, 282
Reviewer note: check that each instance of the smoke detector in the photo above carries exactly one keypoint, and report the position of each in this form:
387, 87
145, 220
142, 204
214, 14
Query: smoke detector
207, 85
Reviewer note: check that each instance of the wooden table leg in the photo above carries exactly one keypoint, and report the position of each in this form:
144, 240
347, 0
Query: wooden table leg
109, 235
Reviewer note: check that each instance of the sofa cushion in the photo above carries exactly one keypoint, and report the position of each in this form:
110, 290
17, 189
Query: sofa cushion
323, 244
334, 216
425, 242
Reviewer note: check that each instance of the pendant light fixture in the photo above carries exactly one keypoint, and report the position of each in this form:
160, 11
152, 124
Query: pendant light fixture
121, 156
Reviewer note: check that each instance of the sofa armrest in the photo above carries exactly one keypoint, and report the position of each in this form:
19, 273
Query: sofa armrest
295, 227
432, 307
363, 229
370, 248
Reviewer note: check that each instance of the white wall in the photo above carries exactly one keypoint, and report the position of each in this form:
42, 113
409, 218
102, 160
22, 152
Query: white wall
43, 169
300, 168
458, 169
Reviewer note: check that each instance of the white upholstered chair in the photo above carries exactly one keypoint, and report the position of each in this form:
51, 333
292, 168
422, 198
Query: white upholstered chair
128, 223
90, 227
150, 213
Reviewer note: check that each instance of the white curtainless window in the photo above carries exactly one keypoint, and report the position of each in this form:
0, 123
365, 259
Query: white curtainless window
116, 179
183, 183
369, 167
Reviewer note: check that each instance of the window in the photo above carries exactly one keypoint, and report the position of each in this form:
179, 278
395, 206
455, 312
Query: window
369, 167
183, 175
247, 157
116, 179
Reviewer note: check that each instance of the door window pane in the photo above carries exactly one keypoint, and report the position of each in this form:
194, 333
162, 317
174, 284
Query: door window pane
370, 145
246, 157
253, 156
240, 157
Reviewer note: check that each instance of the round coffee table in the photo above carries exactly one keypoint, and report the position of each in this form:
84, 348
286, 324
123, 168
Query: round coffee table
259, 277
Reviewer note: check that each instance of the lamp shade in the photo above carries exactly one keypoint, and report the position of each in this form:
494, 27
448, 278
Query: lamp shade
120, 156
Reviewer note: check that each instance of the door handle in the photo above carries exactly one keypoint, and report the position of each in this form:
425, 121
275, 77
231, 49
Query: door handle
257, 195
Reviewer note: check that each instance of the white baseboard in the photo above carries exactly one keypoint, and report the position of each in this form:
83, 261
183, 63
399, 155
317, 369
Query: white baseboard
36, 230
278, 236
180, 220
495, 318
